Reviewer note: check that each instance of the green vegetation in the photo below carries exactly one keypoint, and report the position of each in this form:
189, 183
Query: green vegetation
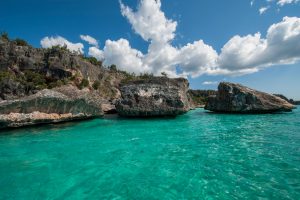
29, 80
4, 36
34, 79
164, 74
146, 75
5, 75
58, 49
200, 97
84, 83
21, 42
96, 85
92, 60
113, 68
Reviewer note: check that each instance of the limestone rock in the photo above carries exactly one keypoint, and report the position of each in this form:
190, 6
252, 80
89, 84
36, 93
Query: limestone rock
157, 96
236, 98
47, 106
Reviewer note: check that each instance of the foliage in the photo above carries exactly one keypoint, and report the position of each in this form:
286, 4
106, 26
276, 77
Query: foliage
21, 42
58, 49
93, 60
96, 85
145, 76
4, 36
84, 83
5, 75
113, 68
36, 79
164, 74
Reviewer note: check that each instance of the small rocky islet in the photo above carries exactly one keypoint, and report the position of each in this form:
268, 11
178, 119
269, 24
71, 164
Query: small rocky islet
55, 85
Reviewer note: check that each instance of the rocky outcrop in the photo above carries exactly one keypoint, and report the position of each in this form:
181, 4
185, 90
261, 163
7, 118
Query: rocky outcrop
199, 97
48, 106
157, 96
25, 70
236, 98
292, 101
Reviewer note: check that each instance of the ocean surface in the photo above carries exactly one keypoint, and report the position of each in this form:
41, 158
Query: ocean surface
198, 155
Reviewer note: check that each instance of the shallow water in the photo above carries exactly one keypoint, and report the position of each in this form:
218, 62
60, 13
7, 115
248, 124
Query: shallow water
199, 155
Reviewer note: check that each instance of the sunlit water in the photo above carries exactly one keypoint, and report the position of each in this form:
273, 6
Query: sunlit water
194, 156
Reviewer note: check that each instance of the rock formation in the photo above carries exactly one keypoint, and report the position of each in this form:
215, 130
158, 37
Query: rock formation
25, 70
199, 97
157, 96
47, 106
236, 98
291, 101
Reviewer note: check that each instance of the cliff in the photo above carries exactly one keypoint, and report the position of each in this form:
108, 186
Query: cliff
25, 70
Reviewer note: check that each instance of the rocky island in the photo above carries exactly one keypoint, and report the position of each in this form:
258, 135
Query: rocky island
55, 85
158, 96
236, 98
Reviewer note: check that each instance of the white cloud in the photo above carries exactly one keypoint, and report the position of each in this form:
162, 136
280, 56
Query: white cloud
197, 58
262, 10
153, 26
150, 22
121, 54
252, 52
240, 55
48, 42
97, 53
92, 41
284, 2
210, 83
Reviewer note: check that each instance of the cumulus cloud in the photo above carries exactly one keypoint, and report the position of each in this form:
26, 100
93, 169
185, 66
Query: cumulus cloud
97, 53
152, 25
121, 54
92, 41
240, 55
149, 21
48, 42
252, 52
197, 58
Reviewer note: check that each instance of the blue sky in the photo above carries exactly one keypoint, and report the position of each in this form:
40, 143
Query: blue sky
213, 21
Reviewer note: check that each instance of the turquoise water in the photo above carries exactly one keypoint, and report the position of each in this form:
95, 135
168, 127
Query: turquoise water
194, 156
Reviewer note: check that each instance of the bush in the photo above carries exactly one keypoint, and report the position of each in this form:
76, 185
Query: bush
93, 60
84, 83
55, 84
96, 85
164, 74
21, 42
113, 68
146, 76
4, 36
5, 75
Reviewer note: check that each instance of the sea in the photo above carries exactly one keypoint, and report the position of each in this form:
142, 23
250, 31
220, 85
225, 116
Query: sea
198, 155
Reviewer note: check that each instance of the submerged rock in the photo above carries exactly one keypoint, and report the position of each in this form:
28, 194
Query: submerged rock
157, 96
47, 106
236, 98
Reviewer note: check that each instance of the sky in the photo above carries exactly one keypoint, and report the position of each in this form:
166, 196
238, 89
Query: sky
252, 42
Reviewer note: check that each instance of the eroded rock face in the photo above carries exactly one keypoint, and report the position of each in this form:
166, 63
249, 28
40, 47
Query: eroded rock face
157, 96
236, 98
47, 106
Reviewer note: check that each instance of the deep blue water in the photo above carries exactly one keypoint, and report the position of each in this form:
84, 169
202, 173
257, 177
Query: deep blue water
198, 155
